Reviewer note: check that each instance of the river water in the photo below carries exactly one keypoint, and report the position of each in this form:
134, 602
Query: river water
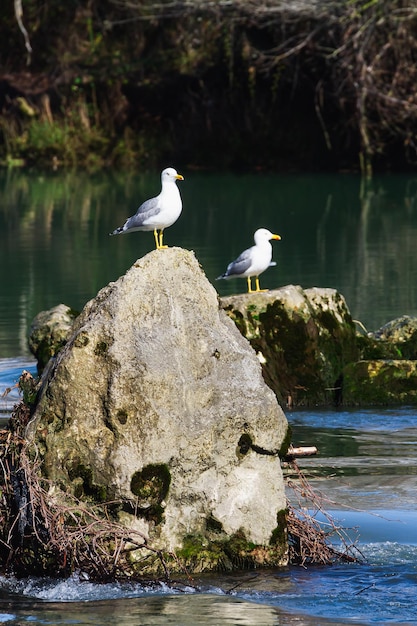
336, 232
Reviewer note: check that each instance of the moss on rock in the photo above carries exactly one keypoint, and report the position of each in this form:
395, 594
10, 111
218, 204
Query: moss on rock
150, 485
380, 382
303, 340
199, 554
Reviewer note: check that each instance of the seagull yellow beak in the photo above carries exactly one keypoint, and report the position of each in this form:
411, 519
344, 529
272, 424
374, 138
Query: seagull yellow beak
276, 237
179, 177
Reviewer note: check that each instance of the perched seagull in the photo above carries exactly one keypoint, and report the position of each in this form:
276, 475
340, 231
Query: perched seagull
253, 261
159, 212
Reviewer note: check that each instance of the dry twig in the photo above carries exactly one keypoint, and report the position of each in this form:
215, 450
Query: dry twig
310, 540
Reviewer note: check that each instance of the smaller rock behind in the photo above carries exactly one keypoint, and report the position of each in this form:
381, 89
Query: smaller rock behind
49, 333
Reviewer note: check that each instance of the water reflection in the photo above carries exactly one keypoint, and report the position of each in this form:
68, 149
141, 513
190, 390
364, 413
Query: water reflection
54, 244
199, 610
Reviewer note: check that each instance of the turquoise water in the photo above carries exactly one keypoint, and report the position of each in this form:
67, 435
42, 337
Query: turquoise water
54, 247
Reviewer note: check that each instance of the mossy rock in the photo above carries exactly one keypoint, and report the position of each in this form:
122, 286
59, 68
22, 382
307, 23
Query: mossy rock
380, 382
400, 335
303, 338
200, 554
371, 349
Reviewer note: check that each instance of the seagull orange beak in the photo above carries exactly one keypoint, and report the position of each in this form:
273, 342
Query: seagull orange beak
276, 237
179, 177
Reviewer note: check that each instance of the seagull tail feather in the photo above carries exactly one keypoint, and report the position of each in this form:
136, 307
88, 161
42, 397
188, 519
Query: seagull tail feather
118, 231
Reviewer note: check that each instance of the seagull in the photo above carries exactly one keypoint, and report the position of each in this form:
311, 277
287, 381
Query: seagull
159, 212
253, 261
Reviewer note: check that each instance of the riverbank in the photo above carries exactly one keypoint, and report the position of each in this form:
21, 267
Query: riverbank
227, 85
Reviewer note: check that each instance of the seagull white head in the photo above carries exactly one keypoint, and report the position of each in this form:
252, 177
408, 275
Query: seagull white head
169, 174
263, 234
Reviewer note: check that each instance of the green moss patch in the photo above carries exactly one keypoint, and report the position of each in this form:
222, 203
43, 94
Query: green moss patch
199, 554
304, 344
380, 382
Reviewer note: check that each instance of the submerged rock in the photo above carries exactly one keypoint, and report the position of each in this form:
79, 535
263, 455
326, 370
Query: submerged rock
303, 338
158, 403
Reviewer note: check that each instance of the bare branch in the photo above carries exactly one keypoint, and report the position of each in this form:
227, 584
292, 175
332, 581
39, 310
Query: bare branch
19, 17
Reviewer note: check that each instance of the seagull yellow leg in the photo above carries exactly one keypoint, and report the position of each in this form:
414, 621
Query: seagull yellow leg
249, 284
161, 236
257, 286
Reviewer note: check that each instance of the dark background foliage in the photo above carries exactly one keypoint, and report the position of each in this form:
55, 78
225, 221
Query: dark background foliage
241, 84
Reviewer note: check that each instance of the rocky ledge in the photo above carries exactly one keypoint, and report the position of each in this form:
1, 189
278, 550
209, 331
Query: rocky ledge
152, 440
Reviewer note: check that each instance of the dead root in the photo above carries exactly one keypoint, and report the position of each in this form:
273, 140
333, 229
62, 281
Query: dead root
312, 541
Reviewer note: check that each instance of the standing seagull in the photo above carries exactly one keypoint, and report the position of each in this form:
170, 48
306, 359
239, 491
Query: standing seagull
159, 212
253, 261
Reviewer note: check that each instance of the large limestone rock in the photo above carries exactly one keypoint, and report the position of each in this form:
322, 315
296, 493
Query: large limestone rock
303, 338
158, 402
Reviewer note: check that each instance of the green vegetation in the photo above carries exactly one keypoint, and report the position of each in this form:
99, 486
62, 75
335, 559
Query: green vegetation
220, 85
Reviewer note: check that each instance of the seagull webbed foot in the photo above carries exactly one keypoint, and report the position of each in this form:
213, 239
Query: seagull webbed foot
258, 288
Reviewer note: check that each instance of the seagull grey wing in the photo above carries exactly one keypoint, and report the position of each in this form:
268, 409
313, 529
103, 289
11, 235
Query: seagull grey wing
147, 209
240, 265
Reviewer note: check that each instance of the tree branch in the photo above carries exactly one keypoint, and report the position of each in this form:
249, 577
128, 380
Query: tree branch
18, 10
